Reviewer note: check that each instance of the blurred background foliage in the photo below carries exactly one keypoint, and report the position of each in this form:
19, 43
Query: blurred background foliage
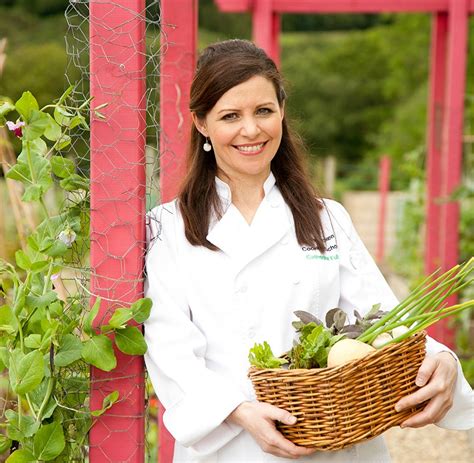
357, 84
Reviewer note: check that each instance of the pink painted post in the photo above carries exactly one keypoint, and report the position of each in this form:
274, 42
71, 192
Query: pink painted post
452, 143
179, 33
434, 130
276, 28
384, 186
263, 26
117, 45
179, 36
344, 6
439, 37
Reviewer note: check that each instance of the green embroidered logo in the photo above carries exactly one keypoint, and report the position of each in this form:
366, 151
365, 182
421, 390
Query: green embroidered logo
322, 257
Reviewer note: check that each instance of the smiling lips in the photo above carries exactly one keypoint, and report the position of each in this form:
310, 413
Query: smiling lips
250, 149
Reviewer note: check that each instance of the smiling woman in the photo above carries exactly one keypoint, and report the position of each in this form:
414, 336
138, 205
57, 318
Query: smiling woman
247, 242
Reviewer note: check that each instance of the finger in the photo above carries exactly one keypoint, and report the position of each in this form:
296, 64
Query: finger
280, 415
418, 397
276, 439
426, 370
432, 413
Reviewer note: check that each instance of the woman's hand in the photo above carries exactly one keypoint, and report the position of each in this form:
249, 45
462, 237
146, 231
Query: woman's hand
258, 419
436, 377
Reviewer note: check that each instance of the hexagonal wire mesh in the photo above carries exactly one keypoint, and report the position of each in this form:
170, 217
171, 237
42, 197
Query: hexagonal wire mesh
123, 74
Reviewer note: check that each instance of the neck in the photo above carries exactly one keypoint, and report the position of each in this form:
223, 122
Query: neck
247, 193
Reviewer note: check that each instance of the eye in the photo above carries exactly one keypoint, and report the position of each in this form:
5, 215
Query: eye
264, 111
229, 117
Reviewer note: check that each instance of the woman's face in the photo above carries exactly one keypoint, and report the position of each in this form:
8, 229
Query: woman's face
245, 129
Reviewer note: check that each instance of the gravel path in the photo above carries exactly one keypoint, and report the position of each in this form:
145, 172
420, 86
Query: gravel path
430, 445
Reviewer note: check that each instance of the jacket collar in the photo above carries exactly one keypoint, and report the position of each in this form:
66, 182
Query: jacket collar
241, 241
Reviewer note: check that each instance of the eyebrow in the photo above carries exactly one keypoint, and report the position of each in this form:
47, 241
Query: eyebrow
270, 103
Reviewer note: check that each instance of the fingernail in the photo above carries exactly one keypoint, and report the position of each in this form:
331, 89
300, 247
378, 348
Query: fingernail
398, 408
403, 425
292, 420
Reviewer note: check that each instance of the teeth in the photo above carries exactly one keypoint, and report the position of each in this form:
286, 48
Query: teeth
251, 149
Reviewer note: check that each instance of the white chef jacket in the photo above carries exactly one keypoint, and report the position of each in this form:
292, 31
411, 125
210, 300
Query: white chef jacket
211, 307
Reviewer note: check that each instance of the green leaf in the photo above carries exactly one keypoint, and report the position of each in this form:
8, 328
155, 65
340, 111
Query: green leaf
53, 129
39, 266
107, 403
98, 351
69, 351
130, 340
74, 182
49, 441
27, 373
66, 93
8, 322
26, 105
33, 341
5, 108
3, 358
37, 396
62, 116
141, 309
5, 443
62, 142
16, 431
120, 317
90, 317
36, 126
261, 356
33, 170
76, 120
22, 260
21, 456
62, 167
41, 301
53, 247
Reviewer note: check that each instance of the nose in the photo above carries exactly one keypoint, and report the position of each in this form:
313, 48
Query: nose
250, 127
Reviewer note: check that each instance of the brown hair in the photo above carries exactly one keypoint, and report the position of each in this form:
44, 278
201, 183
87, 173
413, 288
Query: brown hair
221, 67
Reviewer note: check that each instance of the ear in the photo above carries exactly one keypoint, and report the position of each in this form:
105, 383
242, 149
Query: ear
200, 125
282, 109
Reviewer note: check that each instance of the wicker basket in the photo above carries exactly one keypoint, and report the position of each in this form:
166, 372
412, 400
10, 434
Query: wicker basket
341, 406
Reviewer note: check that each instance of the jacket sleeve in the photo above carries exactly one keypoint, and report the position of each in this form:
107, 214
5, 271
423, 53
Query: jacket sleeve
196, 399
362, 284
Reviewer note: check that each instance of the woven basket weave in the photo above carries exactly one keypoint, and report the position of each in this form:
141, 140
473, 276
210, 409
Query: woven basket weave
341, 406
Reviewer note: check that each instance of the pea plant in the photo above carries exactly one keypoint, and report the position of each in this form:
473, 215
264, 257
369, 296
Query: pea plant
48, 337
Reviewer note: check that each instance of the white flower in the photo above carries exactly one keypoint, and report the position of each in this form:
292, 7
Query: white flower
67, 236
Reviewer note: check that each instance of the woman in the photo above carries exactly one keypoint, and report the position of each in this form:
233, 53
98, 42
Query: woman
245, 244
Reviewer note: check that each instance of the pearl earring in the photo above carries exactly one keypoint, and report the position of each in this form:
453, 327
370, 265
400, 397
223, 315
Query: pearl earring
207, 146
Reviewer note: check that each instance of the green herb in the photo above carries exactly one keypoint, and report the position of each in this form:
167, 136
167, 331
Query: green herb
425, 305
261, 356
313, 349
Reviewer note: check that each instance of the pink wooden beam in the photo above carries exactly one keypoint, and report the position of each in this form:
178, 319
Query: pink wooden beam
117, 45
178, 59
384, 187
452, 145
266, 28
179, 39
439, 36
343, 6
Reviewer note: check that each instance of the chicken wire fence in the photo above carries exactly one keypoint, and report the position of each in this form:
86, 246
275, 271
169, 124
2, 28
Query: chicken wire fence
116, 47
113, 51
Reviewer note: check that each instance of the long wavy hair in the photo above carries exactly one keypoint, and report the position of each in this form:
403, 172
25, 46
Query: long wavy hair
220, 67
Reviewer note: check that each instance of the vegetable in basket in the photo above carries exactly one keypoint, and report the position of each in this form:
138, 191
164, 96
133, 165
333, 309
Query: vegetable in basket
343, 343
